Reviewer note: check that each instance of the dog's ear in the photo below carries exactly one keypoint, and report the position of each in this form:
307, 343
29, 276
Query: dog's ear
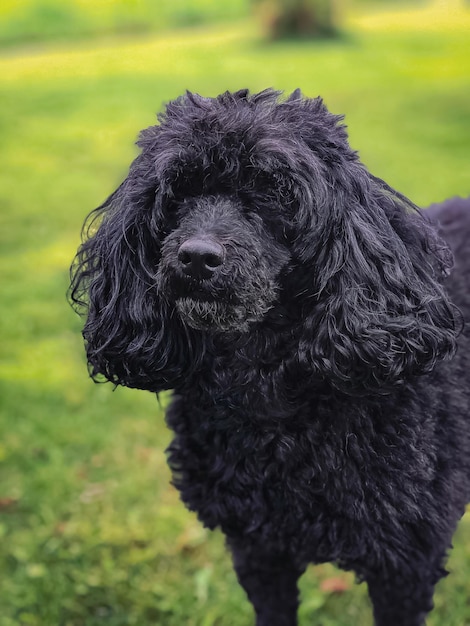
132, 336
378, 313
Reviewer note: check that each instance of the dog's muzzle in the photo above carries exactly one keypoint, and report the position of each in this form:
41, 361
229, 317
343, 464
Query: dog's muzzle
214, 288
199, 258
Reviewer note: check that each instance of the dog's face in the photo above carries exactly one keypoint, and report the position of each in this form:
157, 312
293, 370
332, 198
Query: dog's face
241, 202
220, 265
235, 186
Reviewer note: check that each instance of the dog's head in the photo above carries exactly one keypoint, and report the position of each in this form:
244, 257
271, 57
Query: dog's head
235, 202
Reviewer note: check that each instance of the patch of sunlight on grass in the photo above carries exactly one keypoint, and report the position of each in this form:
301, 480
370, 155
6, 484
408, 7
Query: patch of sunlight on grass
46, 361
44, 265
10, 6
120, 56
441, 69
434, 17
55, 256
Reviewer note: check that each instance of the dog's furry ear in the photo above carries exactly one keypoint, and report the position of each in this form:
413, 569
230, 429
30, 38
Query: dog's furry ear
378, 313
131, 336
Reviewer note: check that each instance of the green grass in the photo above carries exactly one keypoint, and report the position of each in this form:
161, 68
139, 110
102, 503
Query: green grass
92, 533
32, 21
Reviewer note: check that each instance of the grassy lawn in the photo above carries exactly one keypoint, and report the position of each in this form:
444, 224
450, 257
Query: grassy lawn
32, 21
92, 533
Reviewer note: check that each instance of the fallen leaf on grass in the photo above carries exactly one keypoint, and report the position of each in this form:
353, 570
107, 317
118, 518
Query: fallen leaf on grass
92, 492
335, 585
7, 503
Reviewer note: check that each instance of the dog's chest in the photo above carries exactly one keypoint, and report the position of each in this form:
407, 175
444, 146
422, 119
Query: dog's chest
309, 471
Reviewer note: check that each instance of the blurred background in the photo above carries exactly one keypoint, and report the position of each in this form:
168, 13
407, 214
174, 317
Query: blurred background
91, 531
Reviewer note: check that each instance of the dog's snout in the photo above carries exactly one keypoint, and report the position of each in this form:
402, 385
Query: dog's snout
200, 257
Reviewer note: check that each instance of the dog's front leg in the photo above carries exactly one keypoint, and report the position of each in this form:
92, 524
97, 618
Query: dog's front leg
403, 600
270, 582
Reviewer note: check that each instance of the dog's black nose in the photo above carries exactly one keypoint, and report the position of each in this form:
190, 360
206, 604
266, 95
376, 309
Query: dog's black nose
200, 257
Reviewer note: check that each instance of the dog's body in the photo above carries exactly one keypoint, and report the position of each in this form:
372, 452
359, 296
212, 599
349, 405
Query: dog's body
294, 304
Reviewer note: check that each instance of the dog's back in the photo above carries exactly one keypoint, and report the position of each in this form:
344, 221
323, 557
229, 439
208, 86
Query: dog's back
453, 219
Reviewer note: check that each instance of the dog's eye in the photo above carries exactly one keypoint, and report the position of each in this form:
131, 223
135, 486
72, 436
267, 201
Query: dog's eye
175, 209
167, 220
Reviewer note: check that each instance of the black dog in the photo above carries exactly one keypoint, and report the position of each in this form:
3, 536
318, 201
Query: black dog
303, 313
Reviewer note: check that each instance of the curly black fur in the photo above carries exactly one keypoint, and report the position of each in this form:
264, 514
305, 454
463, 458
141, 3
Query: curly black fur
309, 335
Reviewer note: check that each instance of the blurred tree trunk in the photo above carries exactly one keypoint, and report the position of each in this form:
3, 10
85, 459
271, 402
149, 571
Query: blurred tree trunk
299, 18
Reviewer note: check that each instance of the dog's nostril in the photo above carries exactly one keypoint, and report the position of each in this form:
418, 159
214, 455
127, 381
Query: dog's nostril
200, 257
213, 260
184, 257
